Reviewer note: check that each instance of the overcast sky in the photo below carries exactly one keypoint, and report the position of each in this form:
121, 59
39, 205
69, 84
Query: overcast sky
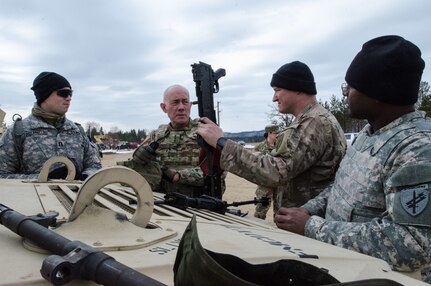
120, 55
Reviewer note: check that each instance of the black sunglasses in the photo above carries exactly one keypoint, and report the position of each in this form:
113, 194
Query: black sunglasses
64, 92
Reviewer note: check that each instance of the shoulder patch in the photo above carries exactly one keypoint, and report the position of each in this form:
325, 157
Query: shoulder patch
412, 206
414, 200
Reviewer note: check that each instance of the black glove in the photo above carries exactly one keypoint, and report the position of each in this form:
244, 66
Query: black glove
145, 154
61, 172
58, 173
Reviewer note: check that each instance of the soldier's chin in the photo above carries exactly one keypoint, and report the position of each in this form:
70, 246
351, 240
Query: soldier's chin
182, 118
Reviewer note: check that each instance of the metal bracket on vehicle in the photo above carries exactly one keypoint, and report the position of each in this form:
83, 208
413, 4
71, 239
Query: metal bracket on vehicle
111, 175
43, 175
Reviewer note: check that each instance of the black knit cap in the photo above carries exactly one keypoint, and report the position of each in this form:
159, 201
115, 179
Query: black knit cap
389, 69
295, 76
47, 82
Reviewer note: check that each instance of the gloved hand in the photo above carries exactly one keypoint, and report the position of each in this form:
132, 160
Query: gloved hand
58, 173
61, 172
145, 154
169, 174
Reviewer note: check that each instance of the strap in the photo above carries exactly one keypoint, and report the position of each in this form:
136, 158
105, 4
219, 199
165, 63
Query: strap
18, 138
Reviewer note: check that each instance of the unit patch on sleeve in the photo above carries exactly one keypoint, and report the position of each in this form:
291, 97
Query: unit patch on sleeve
412, 206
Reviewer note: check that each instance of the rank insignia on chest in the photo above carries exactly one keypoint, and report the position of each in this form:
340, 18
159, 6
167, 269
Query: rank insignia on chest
415, 200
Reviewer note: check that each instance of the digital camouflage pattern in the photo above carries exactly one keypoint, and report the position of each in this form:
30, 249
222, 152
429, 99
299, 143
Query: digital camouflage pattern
43, 141
303, 163
380, 203
262, 191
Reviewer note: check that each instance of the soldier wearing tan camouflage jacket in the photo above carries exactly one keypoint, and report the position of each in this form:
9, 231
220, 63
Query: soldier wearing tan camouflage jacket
307, 153
380, 201
177, 153
265, 147
46, 133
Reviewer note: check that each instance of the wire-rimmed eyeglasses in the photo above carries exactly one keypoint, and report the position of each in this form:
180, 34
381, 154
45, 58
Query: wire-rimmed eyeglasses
345, 89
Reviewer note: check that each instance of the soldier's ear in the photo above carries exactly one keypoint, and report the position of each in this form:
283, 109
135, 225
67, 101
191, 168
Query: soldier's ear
163, 107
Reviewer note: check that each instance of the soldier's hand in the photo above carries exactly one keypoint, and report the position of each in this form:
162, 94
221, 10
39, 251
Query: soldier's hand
292, 219
170, 175
58, 173
146, 153
209, 131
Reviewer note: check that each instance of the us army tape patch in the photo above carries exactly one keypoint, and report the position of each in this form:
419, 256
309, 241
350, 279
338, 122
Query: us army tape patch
412, 206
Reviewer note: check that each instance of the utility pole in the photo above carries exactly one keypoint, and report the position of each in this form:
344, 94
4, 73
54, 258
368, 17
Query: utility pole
218, 113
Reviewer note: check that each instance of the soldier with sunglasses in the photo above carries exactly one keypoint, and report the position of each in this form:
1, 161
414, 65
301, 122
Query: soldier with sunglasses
46, 133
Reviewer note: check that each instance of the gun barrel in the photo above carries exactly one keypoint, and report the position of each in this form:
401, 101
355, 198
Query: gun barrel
96, 265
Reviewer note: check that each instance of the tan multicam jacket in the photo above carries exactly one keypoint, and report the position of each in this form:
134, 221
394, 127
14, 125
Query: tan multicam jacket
179, 151
303, 163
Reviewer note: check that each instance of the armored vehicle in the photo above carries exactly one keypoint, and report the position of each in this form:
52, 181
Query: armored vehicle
113, 217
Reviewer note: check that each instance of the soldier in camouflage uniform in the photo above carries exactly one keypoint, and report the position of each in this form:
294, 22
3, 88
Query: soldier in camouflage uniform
177, 153
380, 201
307, 153
265, 147
47, 133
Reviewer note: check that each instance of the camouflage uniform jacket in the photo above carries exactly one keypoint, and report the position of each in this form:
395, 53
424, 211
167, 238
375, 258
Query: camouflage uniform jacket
42, 141
380, 202
179, 151
263, 147
303, 163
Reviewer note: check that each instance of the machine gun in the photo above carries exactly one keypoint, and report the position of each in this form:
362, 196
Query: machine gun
205, 202
206, 85
71, 259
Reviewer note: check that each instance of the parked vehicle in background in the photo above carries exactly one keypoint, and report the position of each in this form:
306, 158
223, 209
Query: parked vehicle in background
102, 146
350, 137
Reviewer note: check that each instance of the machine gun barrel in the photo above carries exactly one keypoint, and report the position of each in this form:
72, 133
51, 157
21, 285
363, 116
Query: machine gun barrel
204, 202
264, 201
71, 259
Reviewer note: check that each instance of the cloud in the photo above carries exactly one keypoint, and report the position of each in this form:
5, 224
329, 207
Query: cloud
121, 55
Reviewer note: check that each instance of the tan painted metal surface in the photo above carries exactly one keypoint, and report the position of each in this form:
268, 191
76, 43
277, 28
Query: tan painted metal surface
149, 245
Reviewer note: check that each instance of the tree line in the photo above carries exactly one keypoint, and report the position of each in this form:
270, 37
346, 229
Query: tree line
337, 106
114, 136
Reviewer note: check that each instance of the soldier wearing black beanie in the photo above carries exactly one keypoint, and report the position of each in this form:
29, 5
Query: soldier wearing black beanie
295, 76
389, 69
47, 82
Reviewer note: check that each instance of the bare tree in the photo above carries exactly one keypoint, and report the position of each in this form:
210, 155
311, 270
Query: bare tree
282, 120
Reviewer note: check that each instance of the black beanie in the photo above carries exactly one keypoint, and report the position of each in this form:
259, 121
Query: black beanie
389, 69
45, 83
295, 76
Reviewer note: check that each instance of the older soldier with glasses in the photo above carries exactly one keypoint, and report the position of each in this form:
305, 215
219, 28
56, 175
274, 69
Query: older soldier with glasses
46, 133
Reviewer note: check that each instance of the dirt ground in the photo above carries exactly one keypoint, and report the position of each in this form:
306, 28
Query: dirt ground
237, 188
